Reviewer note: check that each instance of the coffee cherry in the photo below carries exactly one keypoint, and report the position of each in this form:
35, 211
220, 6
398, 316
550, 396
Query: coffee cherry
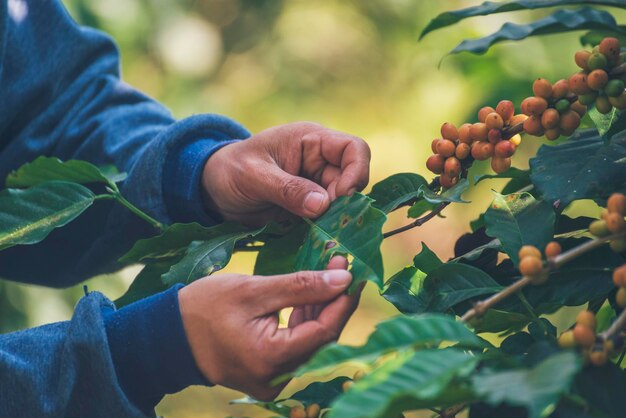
433, 146
610, 48
619, 101
617, 203
579, 108
598, 358
517, 119
494, 136
566, 340
313, 411
449, 131
604, 213
569, 122
542, 88
588, 99
597, 61
499, 164
550, 119
615, 222
618, 245
584, 336
581, 58
529, 251
597, 79
345, 386
435, 163
553, 249
530, 266
462, 151
445, 148
603, 105
578, 84
619, 276
297, 412
504, 149
464, 133
506, 110
358, 375
483, 112
478, 131
516, 140
560, 89
447, 182
620, 297
534, 106
494, 121
552, 134
599, 228
452, 167
586, 318
533, 126
562, 105
614, 88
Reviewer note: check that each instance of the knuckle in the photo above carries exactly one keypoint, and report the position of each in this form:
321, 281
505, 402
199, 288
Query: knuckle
303, 281
291, 188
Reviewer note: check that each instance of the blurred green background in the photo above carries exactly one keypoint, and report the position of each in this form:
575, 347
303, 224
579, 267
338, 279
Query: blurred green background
355, 66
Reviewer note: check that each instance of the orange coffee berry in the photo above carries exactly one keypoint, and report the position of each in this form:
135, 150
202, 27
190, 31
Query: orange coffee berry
619, 276
597, 79
452, 167
435, 163
615, 222
479, 131
560, 89
553, 249
506, 110
584, 336
578, 84
464, 133
445, 148
500, 165
586, 318
504, 149
533, 126
617, 203
581, 58
449, 131
542, 88
529, 251
494, 121
462, 151
550, 118
483, 112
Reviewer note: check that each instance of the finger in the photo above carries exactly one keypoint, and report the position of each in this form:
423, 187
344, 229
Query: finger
297, 195
296, 289
311, 312
337, 262
296, 317
348, 152
302, 341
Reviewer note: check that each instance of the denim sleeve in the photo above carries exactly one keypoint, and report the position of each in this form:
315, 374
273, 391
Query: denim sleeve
62, 96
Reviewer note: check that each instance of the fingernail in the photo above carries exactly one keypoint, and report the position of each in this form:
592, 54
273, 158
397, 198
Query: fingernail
313, 202
337, 278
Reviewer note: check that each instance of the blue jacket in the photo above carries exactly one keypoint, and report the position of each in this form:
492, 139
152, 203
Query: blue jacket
60, 95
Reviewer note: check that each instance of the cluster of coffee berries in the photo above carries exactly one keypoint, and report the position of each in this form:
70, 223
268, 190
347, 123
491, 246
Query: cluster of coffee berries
531, 264
612, 222
311, 411
553, 110
597, 83
482, 140
597, 350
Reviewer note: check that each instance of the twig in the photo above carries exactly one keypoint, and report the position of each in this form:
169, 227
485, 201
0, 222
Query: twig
617, 326
452, 411
512, 130
418, 222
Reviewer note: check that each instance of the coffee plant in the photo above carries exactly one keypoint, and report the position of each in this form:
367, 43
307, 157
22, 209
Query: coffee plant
524, 258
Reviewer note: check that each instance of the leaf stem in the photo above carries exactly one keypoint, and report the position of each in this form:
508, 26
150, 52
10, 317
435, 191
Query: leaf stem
134, 209
418, 222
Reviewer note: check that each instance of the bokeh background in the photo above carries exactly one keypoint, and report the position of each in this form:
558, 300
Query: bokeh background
355, 66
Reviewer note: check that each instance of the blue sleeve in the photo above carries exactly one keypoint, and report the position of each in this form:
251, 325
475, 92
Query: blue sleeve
102, 363
62, 96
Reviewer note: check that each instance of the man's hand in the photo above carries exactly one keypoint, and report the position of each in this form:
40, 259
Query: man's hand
231, 323
298, 168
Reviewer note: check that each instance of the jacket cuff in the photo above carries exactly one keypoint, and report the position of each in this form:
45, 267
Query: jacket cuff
150, 351
184, 165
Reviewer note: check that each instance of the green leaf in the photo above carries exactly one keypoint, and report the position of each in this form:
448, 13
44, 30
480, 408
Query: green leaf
490, 7
395, 334
28, 216
431, 199
278, 254
560, 21
45, 169
450, 284
594, 37
402, 288
205, 257
321, 393
171, 243
518, 219
478, 251
511, 173
496, 320
419, 380
396, 190
147, 283
426, 260
604, 388
581, 168
351, 227
282, 410
538, 389
610, 124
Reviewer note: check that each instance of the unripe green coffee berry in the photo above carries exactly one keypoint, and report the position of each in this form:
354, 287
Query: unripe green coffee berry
566, 340
603, 105
618, 245
587, 99
599, 229
562, 105
597, 61
614, 88
619, 101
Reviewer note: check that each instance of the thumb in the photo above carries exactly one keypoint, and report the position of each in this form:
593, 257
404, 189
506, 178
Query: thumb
296, 194
300, 288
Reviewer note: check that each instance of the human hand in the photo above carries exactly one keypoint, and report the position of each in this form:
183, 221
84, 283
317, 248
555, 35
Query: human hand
298, 168
231, 322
